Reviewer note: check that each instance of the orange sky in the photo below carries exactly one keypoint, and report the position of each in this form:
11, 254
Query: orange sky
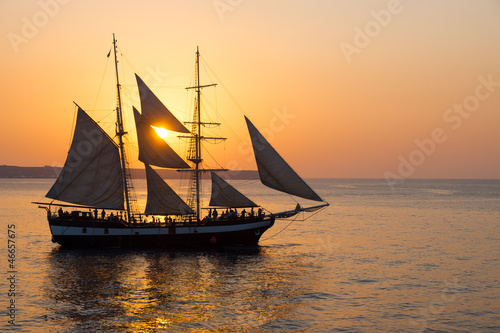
374, 89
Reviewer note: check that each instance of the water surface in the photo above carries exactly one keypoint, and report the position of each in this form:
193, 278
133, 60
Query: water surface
423, 257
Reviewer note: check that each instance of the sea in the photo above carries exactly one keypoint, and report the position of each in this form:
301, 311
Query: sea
416, 256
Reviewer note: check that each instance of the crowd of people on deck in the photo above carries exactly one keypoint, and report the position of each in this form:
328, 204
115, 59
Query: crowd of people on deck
213, 215
231, 214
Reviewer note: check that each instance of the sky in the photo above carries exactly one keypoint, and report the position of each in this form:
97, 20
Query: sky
342, 89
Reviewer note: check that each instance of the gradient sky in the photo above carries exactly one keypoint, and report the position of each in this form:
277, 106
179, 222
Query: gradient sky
367, 89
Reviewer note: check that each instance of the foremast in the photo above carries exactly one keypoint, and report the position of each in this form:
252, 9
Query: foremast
120, 132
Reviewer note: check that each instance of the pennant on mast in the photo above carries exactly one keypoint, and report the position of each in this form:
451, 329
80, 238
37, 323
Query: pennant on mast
154, 150
92, 174
274, 172
155, 113
224, 195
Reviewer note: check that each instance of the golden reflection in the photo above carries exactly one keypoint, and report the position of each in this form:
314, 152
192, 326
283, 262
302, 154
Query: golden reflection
174, 291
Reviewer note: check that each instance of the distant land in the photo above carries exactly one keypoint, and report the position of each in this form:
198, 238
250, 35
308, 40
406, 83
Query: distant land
7, 171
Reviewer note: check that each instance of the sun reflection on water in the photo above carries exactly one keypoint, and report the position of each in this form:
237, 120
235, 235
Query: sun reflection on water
145, 291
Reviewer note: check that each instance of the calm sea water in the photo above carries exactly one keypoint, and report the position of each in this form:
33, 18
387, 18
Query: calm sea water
424, 257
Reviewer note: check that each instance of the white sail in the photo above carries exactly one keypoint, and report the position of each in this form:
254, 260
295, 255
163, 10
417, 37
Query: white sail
274, 172
154, 112
224, 195
162, 200
92, 173
154, 150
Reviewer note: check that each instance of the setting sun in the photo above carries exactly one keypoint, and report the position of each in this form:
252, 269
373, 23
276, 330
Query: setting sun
162, 133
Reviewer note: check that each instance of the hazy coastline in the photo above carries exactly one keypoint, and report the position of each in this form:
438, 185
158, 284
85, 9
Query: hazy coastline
8, 171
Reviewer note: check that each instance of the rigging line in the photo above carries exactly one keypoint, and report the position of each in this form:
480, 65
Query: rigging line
213, 158
123, 56
205, 69
264, 239
231, 131
102, 80
222, 84
72, 127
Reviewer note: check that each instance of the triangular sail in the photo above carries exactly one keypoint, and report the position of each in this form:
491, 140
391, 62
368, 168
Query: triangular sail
154, 150
224, 195
162, 200
92, 174
154, 112
274, 172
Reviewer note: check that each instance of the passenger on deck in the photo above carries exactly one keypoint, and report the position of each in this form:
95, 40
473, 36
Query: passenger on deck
243, 213
103, 214
215, 214
60, 212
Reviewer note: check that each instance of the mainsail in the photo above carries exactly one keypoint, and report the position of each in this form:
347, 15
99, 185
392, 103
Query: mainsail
154, 150
162, 200
92, 174
154, 112
224, 195
274, 172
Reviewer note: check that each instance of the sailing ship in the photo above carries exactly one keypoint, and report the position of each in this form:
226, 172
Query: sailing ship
93, 201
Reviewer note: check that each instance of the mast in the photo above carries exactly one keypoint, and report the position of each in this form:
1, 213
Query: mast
120, 133
197, 137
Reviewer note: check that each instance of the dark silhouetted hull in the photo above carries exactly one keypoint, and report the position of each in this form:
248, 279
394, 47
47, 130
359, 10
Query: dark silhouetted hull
89, 233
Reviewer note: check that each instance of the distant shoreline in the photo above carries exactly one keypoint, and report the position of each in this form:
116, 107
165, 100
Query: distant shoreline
50, 172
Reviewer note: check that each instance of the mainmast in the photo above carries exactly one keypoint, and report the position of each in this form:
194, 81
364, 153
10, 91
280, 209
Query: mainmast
196, 136
198, 159
120, 133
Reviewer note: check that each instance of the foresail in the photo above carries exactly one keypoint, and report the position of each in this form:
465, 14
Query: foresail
154, 112
154, 150
162, 200
274, 172
92, 174
224, 195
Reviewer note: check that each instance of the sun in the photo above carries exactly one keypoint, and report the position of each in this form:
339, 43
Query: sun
162, 133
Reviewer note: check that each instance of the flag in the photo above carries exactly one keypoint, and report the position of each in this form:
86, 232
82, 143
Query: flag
109, 53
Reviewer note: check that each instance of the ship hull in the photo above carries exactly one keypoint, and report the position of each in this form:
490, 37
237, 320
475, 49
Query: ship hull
89, 233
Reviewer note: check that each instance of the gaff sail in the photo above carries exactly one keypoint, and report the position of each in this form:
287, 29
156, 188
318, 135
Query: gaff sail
155, 112
153, 150
162, 200
224, 195
92, 174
